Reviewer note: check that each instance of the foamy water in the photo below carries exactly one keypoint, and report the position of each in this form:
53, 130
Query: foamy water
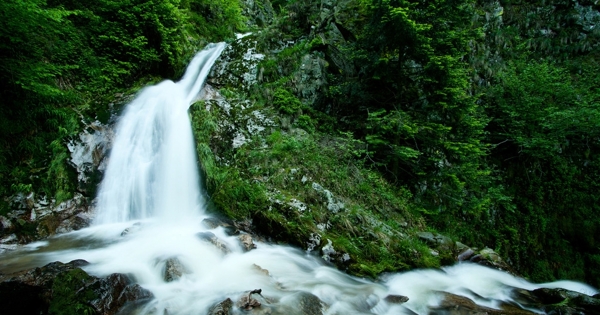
151, 189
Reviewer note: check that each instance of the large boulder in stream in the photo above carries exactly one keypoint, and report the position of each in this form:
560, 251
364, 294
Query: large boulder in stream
253, 302
453, 304
60, 288
173, 269
559, 301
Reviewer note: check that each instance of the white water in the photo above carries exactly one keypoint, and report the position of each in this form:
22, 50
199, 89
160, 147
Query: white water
152, 179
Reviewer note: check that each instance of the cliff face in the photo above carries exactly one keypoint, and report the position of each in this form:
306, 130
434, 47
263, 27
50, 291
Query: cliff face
347, 128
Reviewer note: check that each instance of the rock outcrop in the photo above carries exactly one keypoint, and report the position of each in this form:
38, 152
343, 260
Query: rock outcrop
66, 288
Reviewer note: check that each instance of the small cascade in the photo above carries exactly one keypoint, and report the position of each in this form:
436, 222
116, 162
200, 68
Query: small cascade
150, 226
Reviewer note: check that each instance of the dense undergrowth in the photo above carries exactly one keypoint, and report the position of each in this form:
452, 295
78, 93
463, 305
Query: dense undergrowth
62, 63
482, 129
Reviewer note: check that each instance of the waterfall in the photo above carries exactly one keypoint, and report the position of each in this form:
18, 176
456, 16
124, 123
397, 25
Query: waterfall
152, 169
151, 211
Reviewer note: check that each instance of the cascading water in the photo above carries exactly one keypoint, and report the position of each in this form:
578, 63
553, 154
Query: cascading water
150, 209
152, 170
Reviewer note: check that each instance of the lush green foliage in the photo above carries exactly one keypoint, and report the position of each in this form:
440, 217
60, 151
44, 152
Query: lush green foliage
480, 116
61, 61
70, 295
545, 128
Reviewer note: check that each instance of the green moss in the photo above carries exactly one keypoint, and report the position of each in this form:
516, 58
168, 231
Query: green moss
70, 296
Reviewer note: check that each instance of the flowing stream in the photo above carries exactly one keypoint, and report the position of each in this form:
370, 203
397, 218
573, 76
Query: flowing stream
151, 191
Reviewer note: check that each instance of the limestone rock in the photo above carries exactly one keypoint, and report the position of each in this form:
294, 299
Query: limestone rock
246, 241
261, 12
68, 287
459, 305
88, 154
333, 204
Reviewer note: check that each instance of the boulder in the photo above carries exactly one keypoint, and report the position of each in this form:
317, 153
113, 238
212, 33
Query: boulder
213, 239
228, 225
465, 255
489, 258
173, 269
59, 287
453, 304
396, 299
247, 302
304, 303
563, 301
222, 308
246, 241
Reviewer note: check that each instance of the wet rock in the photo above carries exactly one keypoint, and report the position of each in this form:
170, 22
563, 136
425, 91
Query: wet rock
459, 305
226, 224
553, 296
213, 239
88, 154
66, 287
465, 255
173, 270
114, 291
260, 269
71, 215
247, 302
489, 258
396, 299
460, 246
222, 308
135, 227
76, 222
246, 241
304, 303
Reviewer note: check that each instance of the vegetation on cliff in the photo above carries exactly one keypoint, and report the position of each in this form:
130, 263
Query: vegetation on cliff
478, 119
